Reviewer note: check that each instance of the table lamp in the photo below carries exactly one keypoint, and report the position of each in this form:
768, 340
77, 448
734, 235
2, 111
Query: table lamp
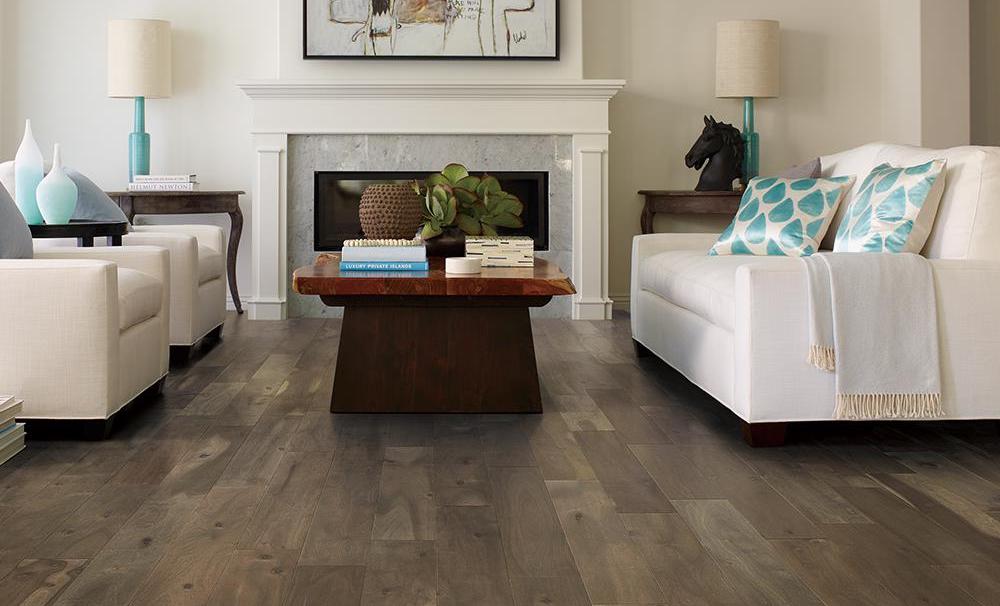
139, 68
747, 65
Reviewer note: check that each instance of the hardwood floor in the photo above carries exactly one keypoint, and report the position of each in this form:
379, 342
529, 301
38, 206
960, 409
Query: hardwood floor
238, 487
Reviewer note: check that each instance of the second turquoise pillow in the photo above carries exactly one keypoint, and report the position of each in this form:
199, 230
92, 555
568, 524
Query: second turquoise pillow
783, 217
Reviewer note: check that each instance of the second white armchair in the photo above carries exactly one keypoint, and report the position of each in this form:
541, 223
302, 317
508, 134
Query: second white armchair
197, 280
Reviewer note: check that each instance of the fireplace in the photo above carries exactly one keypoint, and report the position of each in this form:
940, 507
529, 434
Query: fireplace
300, 127
337, 195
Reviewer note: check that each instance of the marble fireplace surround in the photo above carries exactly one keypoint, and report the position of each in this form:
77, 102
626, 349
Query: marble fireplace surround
562, 127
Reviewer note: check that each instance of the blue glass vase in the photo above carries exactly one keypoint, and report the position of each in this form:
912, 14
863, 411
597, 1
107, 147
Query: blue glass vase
57, 194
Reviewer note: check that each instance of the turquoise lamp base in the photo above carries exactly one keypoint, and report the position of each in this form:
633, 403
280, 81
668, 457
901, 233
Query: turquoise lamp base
751, 143
138, 143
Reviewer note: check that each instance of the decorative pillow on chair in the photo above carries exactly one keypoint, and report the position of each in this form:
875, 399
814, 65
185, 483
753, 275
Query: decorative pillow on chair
894, 210
783, 217
92, 204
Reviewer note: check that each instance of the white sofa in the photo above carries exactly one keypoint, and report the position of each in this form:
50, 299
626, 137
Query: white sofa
83, 332
197, 280
737, 326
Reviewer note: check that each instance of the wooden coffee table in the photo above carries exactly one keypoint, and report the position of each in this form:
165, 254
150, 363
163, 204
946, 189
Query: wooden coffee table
433, 343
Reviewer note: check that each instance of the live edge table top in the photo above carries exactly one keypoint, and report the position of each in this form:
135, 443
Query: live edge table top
325, 279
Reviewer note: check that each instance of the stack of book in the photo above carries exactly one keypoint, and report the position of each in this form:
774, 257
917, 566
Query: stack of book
11, 432
502, 251
383, 255
164, 183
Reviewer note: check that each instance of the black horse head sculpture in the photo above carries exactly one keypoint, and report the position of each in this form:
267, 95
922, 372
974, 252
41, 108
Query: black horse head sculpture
721, 145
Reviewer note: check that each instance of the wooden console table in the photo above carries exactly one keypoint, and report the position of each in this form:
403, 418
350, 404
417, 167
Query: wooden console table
135, 203
687, 202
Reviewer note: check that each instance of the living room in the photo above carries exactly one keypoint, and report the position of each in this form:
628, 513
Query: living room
513, 302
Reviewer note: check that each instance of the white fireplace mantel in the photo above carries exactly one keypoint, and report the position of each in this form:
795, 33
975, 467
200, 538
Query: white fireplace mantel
578, 108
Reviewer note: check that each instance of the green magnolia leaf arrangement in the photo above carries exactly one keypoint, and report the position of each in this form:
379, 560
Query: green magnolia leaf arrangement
476, 205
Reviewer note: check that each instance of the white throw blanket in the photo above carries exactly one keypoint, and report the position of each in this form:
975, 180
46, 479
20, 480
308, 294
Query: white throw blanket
873, 321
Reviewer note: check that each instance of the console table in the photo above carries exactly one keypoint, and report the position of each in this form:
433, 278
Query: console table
687, 202
135, 203
430, 342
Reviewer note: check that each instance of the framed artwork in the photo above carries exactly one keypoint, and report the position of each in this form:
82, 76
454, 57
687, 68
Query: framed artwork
431, 29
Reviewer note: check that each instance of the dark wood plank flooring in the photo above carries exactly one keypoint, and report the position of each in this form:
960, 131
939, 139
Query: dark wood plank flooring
237, 486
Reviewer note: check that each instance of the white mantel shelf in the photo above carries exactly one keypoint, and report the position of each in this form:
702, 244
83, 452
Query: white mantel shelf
577, 108
601, 90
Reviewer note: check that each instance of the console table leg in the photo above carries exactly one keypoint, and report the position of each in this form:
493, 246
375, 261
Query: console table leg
235, 232
647, 219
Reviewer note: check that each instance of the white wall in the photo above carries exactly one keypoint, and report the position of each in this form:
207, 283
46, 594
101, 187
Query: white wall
985, 25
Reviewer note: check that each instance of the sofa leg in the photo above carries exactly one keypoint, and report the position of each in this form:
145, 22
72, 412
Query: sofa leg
764, 435
641, 351
97, 431
180, 354
215, 334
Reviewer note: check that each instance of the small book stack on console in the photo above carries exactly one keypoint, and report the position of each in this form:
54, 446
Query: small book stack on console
164, 183
11, 432
383, 255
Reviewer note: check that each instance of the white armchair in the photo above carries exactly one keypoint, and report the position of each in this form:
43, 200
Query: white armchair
197, 283
84, 332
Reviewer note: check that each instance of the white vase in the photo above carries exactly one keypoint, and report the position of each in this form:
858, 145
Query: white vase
57, 194
28, 172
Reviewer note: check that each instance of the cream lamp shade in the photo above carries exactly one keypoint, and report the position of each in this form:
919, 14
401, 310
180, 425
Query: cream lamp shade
139, 58
747, 59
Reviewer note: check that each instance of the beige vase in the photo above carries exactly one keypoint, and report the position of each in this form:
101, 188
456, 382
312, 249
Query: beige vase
390, 210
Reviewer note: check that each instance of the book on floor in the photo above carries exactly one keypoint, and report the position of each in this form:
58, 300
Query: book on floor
9, 409
11, 442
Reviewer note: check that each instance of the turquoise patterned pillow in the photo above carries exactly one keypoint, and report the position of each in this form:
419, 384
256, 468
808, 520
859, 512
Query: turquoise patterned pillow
894, 210
783, 217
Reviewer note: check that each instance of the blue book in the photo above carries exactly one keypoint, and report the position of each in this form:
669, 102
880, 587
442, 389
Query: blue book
383, 266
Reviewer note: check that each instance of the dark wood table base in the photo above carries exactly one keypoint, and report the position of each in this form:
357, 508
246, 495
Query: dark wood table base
436, 355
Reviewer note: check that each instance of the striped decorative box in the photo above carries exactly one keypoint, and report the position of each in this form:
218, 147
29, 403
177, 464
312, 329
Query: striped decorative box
501, 251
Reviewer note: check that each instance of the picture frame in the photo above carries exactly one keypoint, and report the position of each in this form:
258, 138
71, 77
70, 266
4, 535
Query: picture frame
380, 30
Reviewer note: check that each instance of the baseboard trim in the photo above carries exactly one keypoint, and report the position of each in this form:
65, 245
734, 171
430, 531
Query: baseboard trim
622, 302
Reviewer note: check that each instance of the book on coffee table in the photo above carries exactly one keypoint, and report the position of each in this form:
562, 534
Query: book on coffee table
383, 255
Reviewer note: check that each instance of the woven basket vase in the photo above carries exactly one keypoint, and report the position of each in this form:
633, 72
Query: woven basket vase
390, 210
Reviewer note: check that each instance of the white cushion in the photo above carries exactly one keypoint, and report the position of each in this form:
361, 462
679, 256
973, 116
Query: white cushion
139, 297
210, 264
968, 217
699, 283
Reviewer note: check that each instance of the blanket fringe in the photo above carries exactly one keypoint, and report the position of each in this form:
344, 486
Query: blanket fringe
823, 358
870, 406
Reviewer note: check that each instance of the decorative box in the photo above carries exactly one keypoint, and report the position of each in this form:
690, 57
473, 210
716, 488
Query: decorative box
502, 251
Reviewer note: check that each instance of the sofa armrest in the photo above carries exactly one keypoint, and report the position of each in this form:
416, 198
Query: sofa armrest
151, 260
652, 244
211, 236
771, 343
183, 277
59, 327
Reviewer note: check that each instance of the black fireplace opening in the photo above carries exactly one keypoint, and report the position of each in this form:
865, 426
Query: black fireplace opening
338, 197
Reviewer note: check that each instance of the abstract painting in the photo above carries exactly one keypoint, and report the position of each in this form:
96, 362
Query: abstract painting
429, 29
